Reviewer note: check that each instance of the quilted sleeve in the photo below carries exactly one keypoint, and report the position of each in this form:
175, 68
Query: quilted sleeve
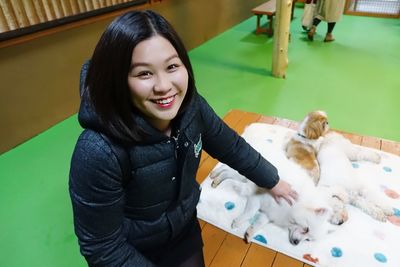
97, 200
224, 144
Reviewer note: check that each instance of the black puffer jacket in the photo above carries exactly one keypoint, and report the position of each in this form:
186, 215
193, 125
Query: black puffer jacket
114, 223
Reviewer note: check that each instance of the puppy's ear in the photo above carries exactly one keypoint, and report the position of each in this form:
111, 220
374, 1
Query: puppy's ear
320, 211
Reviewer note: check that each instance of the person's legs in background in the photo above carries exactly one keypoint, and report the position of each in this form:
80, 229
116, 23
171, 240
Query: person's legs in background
329, 36
313, 29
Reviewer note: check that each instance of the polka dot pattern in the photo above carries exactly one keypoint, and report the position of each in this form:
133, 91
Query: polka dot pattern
387, 169
336, 252
355, 165
394, 220
396, 212
380, 257
309, 257
360, 244
229, 205
391, 193
261, 239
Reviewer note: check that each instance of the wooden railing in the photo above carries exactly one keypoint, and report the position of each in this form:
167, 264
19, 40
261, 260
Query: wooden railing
19, 14
24, 20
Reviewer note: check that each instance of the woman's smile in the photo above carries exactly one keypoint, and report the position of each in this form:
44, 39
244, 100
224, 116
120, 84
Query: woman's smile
164, 103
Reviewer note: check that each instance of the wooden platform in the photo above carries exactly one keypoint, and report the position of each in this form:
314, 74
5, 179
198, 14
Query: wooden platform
224, 249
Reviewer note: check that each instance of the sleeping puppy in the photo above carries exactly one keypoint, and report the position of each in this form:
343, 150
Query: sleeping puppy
335, 156
303, 146
306, 219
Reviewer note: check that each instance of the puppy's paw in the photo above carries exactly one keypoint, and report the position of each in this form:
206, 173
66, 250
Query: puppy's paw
378, 214
235, 224
388, 211
214, 174
217, 176
339, 217
248, 235
215, 182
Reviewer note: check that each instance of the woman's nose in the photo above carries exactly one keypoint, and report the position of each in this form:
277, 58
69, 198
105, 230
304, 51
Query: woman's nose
162, 83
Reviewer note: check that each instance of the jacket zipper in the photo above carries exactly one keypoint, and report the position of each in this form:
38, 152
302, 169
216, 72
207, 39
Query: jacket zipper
176, 143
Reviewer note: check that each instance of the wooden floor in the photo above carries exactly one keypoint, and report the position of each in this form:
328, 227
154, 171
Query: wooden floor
224, 249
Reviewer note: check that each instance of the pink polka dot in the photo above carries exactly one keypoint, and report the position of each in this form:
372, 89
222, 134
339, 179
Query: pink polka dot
391, 193
310, 258
394, 219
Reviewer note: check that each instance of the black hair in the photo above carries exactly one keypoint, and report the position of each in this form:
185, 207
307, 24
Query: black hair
107, 77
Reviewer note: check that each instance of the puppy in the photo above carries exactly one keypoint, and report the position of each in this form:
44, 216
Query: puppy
302, 147
334, 156
306, 219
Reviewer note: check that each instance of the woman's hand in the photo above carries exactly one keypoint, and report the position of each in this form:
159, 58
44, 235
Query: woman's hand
284, 190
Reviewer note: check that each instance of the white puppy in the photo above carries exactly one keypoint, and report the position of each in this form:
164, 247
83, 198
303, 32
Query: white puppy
334, 157
306, 219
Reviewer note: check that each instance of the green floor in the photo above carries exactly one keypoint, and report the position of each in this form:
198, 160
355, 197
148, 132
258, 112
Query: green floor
355, 79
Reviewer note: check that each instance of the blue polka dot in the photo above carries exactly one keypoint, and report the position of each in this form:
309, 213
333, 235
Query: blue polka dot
387, 169
229, 205
336, 252
261, 239
396, 212
355, 165
269, 140
380, 257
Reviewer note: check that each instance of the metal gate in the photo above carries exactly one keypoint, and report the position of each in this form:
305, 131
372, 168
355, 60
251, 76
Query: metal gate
375, 8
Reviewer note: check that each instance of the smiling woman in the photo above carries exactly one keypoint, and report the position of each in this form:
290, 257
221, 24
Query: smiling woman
140, 93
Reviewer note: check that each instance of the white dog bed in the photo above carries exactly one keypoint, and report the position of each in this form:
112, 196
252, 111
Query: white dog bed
361, 241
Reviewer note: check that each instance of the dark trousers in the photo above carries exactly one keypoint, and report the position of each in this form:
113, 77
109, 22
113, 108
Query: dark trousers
331, 25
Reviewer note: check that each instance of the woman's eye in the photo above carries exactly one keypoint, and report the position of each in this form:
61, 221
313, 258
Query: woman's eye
172, 66
144, 74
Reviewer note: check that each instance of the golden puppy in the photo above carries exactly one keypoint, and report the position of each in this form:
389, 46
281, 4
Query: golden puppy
303, 146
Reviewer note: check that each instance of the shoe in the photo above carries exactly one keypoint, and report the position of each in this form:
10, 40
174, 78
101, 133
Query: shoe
329, 38
311, 33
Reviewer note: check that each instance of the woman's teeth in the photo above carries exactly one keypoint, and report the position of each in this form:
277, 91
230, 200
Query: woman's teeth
164, 101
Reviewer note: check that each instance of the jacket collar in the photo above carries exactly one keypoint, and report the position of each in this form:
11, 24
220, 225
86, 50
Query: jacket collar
181, 122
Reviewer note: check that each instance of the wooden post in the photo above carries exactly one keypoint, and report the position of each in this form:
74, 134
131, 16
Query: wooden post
281, 38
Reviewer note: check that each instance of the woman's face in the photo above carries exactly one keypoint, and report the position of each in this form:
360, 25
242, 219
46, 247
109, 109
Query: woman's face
157, 80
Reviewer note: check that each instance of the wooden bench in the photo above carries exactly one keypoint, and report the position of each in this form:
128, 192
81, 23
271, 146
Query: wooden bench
268, 9
222, 249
